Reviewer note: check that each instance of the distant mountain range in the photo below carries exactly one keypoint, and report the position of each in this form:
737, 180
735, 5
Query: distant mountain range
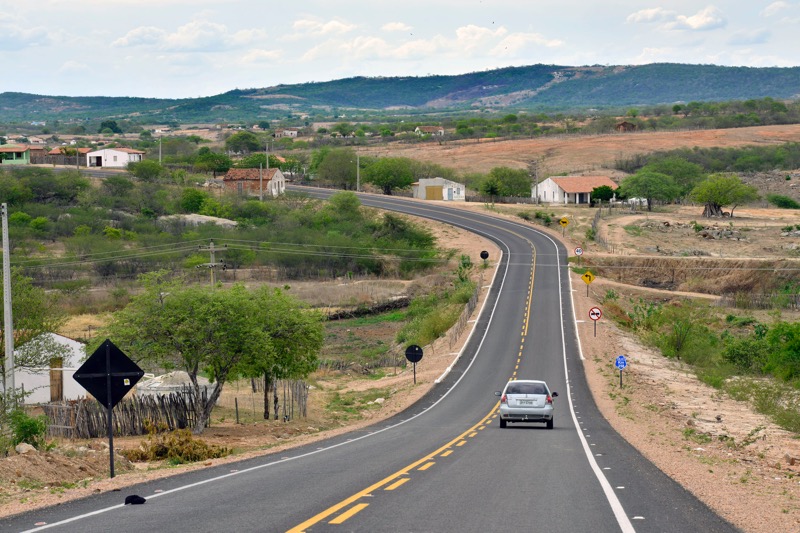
547, 88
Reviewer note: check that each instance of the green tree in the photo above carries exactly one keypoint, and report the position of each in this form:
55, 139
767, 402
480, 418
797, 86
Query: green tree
390, 173
513, 182
118, 186
603, 193
721, 190
147, 170
209, 161
491, 187
686, 175
339, 168
243, 142
109, 125
651, 186
221, 332
296, 337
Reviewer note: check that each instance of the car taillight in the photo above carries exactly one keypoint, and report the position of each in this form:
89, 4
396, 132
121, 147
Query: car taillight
549, 400
503, 399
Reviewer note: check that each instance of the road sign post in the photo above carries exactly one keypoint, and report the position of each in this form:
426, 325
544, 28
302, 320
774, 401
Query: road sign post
564, 221
108, 375
414, 356
620, 363
587, 278
595, 313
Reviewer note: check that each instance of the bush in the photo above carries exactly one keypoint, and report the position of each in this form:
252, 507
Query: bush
28, 429
177, 447
784, 202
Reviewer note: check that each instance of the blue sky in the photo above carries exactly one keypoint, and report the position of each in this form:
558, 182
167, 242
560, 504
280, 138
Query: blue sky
190, 48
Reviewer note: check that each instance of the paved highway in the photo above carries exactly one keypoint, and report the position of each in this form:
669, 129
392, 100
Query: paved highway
444, 465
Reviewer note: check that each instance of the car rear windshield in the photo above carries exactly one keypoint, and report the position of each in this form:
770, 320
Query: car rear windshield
526, 388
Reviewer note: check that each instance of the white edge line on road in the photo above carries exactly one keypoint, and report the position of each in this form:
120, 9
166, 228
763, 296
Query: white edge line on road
624, 522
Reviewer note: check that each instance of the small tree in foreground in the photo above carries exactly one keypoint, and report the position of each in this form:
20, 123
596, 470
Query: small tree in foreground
216, 331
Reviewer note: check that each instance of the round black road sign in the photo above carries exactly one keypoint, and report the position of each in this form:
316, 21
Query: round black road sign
414, 353
484, 255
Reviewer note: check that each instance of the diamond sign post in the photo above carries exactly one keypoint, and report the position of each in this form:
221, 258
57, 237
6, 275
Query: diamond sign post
108, 375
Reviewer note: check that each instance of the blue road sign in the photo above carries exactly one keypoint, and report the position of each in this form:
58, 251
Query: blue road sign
621, 362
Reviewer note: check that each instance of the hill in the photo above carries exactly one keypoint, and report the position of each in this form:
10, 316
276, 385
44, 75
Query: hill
535, 88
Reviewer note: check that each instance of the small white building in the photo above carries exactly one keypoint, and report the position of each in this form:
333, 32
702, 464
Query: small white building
439, 189
113, 157
570, 189
54, 382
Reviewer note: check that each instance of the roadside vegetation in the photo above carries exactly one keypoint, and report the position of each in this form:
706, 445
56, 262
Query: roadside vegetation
753, 359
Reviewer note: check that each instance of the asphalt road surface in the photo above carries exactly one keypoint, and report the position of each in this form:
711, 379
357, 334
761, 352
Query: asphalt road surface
443, 465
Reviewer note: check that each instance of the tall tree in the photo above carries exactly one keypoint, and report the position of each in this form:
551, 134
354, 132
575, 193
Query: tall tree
243, 142
339, 168
721, 190
390, 173
295, 338
685, 173
513, 182
217, 331
651, 186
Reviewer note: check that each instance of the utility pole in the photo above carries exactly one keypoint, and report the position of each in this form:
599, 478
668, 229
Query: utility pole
260, 184
211, 265
533, 171
358, 172
159, 148
8, 326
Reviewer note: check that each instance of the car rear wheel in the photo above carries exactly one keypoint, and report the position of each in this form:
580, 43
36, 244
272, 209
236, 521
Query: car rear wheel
502, 423
550, 424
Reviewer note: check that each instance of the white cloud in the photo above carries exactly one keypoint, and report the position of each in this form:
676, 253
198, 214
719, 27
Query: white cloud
774, 8
14, 35
656, 14
258, 56
315, 27
471, 37
74, 67
709, 18
196, 36
396, 26
746, 38
141, 36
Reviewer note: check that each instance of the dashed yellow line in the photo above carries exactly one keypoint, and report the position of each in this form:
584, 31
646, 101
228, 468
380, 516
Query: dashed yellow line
350, 512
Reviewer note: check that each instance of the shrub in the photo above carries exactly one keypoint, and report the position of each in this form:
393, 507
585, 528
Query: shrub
28, 429
177, 447
784, 202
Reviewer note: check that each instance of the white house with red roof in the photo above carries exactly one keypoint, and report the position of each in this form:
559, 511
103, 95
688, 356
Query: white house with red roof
570, 189
113, 157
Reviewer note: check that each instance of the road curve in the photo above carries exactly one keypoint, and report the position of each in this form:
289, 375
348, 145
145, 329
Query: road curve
444, 464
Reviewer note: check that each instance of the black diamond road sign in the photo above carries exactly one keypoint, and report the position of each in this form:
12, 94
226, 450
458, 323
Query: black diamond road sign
108, 368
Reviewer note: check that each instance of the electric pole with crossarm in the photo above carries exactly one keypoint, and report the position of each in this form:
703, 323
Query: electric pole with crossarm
213, 264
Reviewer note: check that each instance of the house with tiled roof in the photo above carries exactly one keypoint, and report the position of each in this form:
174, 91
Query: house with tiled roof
113, 157
429, 130
255, 181
570, 189
15, 154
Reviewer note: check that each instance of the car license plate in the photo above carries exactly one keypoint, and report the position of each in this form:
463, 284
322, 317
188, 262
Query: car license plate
526, 402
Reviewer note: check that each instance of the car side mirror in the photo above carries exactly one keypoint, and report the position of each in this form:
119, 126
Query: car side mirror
555, 394
497, 393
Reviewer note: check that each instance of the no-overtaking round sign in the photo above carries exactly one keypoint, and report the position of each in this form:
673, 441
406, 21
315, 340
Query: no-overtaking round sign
595, 313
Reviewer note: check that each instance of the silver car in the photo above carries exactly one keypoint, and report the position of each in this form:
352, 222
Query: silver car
525, 400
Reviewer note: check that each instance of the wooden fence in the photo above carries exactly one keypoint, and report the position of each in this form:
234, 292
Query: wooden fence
86, 418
